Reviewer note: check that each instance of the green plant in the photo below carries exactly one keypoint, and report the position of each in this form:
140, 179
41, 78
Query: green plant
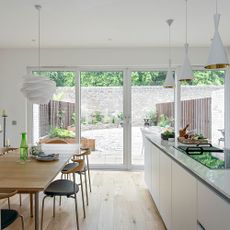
61, 133
164, 121
60, 115
97, 117
73, 119
152, 117
120, 118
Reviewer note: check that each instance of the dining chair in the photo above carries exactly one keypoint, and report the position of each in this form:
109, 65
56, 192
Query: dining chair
4, 151
8, 216
81, 164
63, 187
84, 154
56, 141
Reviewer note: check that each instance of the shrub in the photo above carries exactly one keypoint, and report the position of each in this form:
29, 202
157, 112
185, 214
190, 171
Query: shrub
61, 133
164, 121
152, 117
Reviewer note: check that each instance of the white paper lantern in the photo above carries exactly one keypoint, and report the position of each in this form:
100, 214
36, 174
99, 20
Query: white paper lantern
38, 89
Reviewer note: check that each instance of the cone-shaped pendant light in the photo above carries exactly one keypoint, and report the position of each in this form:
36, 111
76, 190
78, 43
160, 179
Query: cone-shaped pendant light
169, 81
38, 89
217, 58
186, 69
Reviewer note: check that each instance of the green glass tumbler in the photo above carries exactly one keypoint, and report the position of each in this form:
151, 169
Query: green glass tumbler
23, 148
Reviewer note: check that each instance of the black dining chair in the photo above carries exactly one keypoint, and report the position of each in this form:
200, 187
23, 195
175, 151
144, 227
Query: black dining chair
64, 187
8, 216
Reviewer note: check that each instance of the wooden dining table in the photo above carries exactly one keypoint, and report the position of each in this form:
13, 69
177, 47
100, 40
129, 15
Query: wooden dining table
32, 177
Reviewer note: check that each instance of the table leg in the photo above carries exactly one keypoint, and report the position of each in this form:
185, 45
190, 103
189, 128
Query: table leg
37, 211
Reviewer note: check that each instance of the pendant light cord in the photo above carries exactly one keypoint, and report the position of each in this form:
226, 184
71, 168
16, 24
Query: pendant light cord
170, 45
38, 7
216, 7
186, 22
39, 41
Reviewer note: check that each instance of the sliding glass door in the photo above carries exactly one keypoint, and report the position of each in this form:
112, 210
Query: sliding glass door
102, 116
104, 110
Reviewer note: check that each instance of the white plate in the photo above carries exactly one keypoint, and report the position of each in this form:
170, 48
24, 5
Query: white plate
48, 158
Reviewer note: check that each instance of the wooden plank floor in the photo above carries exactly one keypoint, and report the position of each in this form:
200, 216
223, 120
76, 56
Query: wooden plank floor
119, 201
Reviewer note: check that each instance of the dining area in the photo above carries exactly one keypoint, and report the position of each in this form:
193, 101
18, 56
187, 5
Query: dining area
28, 183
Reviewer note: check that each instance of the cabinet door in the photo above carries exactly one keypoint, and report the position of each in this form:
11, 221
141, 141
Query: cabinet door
148, 163
165, 189
184, 186
155, 174
213, 211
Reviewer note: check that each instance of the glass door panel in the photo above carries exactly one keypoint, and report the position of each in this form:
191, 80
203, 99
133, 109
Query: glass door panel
56, 120
102, 116
148, 97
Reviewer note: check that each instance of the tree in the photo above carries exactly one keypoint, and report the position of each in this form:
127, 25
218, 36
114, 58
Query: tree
140, 78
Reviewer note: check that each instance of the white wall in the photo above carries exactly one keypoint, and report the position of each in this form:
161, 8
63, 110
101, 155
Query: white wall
14, 63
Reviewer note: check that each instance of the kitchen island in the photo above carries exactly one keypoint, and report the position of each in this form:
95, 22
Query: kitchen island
187, 194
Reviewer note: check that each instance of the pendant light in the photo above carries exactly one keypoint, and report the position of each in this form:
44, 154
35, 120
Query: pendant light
169, 81
38, 89
217, 58
186, 69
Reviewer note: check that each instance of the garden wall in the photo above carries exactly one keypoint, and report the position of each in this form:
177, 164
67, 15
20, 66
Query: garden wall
108, 100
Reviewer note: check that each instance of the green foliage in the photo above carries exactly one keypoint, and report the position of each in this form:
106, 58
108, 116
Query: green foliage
101, 79
206, 78
164, 121
168, 134
148, 78
61, 133
60, 115
152, 116
61, 78
73, 118
140, 78
97, 117
208, 160
120, 116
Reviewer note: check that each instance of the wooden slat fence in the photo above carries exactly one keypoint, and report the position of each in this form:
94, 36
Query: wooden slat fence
196, 112
49, 115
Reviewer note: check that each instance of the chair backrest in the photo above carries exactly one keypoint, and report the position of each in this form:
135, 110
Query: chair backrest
56, 141
75, 168
85, 151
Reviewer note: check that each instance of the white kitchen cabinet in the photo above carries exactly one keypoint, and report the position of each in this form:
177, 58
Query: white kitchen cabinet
184, 199
155, 175
165, 189
148, 163
213, 211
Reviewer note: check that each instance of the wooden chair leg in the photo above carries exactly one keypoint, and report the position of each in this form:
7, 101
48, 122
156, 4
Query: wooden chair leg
86, 188
87, 158
20, 199
8, 202
31, 205
82, 194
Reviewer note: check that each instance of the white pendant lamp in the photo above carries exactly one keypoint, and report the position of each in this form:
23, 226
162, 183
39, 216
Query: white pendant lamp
38, 89
217, 58
169, 81
186, 69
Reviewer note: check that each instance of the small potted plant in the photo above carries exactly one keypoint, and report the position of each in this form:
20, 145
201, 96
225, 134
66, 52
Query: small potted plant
168, 134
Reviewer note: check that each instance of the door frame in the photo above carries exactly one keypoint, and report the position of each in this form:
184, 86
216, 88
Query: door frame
127, 107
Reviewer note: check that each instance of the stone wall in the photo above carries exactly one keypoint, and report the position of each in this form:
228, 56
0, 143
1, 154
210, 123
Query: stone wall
108, 100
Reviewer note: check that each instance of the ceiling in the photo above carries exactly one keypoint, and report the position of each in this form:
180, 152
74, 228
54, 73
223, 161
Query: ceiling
110, 23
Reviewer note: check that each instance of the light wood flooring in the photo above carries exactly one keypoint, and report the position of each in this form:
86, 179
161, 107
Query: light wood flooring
119, 201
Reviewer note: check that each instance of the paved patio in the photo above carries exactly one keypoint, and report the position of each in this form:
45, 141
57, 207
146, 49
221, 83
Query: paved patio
109, 146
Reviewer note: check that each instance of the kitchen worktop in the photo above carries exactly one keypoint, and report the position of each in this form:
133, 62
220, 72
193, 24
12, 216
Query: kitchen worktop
217, 179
